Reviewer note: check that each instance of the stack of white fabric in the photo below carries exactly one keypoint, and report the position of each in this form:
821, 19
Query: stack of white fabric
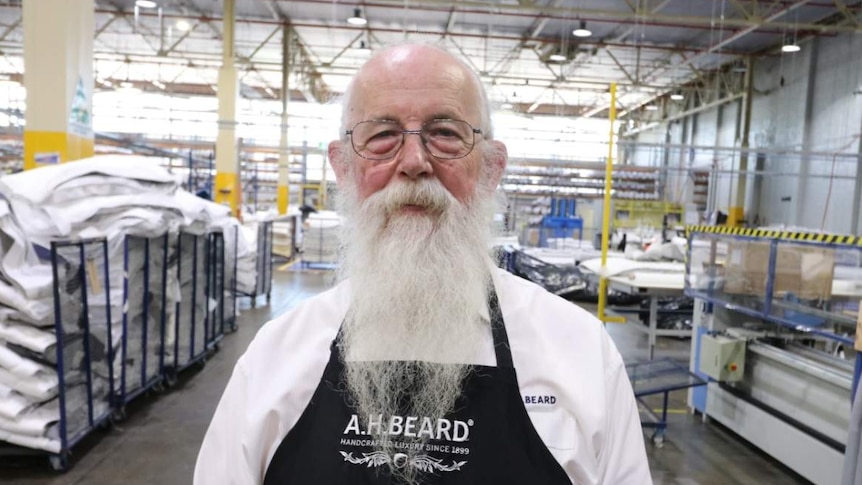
107, 196
246, 259
320, 238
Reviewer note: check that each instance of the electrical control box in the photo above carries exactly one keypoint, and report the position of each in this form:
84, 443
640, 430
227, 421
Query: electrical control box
722, 358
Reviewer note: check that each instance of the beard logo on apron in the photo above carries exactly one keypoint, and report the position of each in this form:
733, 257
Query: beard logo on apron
417, 436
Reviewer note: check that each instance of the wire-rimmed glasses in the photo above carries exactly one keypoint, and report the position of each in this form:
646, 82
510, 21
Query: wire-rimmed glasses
442, 138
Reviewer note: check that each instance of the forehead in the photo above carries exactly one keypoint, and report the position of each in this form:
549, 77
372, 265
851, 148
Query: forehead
415, 84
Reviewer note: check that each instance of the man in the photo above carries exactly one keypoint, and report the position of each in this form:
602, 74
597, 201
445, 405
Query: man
406, 371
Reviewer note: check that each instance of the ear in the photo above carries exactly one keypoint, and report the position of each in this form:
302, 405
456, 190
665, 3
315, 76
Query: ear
338, 162
497, 162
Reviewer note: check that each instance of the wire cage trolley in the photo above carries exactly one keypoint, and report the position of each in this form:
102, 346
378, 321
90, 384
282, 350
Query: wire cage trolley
85, 353
231, 245
215, 289
188, 337
75, 393
263, 266
142, 344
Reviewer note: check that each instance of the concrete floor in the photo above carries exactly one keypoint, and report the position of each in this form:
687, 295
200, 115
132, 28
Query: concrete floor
158, 442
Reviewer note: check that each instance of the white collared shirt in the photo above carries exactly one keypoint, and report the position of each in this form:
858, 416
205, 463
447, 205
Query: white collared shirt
571, 377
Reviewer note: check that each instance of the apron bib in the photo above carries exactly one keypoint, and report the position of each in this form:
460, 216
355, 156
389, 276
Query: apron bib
487, 439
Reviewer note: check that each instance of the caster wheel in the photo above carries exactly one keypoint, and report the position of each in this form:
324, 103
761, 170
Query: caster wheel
58, 462
159, 387
254, 302
658, 441
170, 380
118, 415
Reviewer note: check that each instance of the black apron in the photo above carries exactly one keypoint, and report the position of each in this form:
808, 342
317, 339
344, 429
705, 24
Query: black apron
488, 439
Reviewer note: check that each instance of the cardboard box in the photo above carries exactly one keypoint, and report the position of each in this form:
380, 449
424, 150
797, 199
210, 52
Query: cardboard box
805, 271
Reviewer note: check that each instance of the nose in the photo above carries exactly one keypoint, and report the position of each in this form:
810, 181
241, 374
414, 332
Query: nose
414, 161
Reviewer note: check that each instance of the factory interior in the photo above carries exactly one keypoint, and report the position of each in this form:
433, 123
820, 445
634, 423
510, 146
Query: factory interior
675, 167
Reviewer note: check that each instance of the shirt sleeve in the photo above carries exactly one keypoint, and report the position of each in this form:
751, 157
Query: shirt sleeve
622, 458
223, 458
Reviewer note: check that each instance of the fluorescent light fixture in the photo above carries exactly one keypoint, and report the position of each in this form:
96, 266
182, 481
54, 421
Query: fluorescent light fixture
557, 57
790, 47
107, 83
677, 96
357, 18
582, 30
507, 106
158, 84
651, 107
126, 84
146, 4
183, 25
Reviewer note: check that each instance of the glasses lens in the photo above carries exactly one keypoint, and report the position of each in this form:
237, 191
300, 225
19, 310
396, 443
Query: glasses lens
376, 140
448, 138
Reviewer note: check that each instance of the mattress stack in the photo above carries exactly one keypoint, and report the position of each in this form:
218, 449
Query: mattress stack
104, 197
320, 238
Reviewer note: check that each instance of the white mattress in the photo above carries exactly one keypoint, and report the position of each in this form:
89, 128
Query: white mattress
619, 266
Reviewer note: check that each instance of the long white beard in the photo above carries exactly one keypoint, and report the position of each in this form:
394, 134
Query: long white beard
418, 282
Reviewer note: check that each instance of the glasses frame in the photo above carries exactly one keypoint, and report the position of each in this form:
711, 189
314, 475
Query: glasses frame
475, 131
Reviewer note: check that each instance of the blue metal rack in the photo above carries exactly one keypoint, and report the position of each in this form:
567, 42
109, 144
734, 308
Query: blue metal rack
230, 277
263, 283
659, 377
76, 274
141, 286
561, 222
190, 330
91, 393
215, 322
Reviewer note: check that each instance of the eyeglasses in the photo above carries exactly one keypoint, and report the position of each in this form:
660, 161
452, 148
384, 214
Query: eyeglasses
444, 139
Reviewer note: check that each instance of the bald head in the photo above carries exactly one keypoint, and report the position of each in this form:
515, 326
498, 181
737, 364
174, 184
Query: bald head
420, 67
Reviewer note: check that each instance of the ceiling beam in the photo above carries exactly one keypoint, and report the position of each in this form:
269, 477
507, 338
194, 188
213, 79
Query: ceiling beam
623, 69
11, 28
264, 43
739, 7
842, 7
739, 34
595, 15
533, 31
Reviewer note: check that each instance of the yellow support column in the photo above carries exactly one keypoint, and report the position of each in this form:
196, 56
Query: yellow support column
227, 182
283, 149
606, 213
736, 213
58, 62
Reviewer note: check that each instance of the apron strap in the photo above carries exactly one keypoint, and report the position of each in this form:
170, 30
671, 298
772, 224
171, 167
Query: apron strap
498, 332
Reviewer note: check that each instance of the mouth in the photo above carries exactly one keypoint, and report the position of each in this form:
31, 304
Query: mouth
413, 209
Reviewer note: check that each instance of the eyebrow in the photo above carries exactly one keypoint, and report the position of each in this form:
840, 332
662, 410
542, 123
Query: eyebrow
441, 115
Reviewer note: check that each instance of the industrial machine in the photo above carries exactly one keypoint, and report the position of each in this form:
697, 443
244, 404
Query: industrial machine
774, 329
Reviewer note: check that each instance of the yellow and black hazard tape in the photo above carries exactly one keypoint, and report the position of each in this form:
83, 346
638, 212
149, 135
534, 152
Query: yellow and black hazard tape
777, 234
